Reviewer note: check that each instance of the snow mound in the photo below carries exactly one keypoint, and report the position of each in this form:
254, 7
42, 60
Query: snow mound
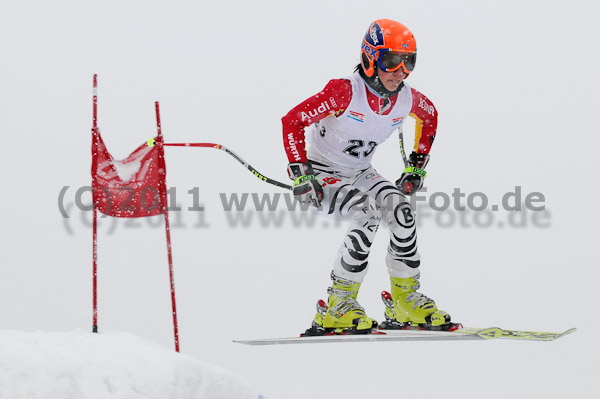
82, 365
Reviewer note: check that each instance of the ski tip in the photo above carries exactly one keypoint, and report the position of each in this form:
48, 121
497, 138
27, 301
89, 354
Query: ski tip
250, 342
247, 342
569, 331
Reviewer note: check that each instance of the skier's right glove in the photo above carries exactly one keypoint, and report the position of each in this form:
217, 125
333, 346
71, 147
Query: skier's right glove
306, 187
412, 177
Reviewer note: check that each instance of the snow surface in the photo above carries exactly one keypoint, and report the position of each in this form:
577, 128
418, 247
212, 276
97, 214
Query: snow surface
83, 365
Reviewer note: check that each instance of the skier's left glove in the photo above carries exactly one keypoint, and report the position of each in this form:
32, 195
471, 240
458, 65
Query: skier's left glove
306, 187
412, 177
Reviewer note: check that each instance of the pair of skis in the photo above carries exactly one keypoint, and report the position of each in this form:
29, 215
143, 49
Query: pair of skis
462, 334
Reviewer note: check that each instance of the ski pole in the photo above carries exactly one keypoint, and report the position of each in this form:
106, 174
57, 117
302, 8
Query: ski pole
408, 186
401, 137
152, 142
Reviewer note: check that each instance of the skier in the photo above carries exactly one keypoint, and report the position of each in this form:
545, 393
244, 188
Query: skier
343, 125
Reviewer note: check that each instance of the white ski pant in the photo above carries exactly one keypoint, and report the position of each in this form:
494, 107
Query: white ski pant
365, 198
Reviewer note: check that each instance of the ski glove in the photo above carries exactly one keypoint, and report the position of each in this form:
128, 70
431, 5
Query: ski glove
306, 187
412, 177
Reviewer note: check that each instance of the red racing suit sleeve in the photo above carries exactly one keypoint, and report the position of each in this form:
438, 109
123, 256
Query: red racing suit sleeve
426, 117
333, 100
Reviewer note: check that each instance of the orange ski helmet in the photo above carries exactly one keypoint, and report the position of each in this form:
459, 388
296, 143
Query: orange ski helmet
388, 45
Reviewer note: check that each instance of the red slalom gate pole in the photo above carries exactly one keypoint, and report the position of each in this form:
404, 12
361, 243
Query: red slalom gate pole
95, 224
163, 194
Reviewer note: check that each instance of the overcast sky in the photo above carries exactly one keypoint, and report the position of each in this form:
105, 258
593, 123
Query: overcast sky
515, 86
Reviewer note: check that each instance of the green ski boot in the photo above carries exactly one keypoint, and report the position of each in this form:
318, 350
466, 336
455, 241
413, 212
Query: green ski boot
342, 314
406, 309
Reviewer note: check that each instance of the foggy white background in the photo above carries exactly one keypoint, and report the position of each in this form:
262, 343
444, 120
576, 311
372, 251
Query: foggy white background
515, 86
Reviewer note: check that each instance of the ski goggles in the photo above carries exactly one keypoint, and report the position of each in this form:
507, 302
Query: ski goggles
390, 61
